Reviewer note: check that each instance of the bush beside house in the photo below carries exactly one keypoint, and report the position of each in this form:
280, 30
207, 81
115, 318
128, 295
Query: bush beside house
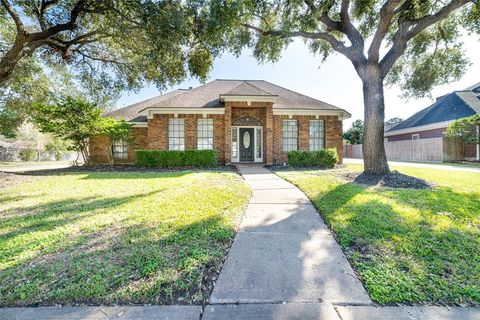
171, 159
321, 158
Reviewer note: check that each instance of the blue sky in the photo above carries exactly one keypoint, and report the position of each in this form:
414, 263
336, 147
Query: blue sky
334, 81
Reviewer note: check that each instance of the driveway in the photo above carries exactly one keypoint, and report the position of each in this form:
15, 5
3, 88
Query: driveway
440, 166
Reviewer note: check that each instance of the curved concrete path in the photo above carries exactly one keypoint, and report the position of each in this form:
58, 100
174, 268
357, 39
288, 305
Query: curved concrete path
284, 252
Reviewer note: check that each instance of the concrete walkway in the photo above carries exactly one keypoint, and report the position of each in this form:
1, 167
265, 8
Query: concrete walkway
283, 251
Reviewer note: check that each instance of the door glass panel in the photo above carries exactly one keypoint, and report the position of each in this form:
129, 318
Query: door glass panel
234, 143
259, 142
246, 139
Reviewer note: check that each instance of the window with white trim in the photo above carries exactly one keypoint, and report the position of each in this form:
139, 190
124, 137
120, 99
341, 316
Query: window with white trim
234, 143
415, 136
290, 135
259, 142
317, 135
120, 149
205, 134
176, 134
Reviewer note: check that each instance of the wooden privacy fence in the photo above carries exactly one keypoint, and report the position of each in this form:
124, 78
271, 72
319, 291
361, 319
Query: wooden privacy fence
433, 149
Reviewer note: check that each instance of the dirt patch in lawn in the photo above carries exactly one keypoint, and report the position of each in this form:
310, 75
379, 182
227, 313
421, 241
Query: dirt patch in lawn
10, 179
394, 179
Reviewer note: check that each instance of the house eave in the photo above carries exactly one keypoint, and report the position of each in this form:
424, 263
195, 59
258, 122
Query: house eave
139, 124
176, 111
341, 114
432, 126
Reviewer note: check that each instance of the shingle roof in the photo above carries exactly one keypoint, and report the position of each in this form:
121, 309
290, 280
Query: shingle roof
208, 96
131, 112
456, 105
247, 89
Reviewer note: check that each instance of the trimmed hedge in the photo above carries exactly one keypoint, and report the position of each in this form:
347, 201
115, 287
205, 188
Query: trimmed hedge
171, 159
322, 158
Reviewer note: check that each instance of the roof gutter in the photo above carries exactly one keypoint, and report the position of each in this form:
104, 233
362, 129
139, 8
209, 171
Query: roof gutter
432, 126
176, 111
342, 114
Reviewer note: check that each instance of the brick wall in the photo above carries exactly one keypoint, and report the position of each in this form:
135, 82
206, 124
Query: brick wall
261, 111
155, 136
98, 146
157, 132
333, 135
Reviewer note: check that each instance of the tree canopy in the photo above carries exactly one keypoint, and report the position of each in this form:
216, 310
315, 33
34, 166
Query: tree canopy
354, 135
465, 129
94, 48
71, 119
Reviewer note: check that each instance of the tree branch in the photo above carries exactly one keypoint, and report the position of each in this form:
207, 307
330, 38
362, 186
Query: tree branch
77, 9
345, 26
14, 15
409, 29
386, 14
337, 45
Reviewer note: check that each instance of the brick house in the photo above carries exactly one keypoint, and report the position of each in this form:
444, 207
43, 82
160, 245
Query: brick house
242, 120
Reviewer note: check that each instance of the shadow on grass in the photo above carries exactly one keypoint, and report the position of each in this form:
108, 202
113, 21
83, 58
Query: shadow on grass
56, 214
408, 246
127, 262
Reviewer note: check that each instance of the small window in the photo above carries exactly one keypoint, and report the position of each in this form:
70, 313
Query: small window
415, 136
290, 135
259, 142
205, 134
317, 135
234, 143
176, 134
120, 149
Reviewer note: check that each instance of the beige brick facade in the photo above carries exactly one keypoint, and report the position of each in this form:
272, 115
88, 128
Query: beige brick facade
155, 135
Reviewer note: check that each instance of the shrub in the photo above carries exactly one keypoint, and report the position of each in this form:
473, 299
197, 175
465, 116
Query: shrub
28, 154
323, 158
171, 159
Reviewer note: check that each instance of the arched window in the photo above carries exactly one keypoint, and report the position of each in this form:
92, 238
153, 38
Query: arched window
247, 121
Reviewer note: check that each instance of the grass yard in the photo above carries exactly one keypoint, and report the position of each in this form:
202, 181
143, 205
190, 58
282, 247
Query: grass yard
409, 246
107, 238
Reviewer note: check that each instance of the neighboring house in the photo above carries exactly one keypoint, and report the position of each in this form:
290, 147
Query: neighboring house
432, 121
242, 120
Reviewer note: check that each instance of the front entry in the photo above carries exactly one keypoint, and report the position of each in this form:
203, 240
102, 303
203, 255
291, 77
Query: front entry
247, 141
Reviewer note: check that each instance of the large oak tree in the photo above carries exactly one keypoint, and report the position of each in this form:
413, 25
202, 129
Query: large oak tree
414, 43
95, 48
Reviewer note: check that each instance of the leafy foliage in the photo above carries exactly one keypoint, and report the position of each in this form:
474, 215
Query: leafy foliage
354, 135
71, 119
171, 159
103, 48
116, 130
393, 121
321, 158
465, 129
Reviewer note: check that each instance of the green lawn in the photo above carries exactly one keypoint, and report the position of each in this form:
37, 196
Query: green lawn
104, 238
406, 245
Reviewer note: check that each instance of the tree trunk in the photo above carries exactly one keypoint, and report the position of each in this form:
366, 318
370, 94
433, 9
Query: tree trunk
374, 156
